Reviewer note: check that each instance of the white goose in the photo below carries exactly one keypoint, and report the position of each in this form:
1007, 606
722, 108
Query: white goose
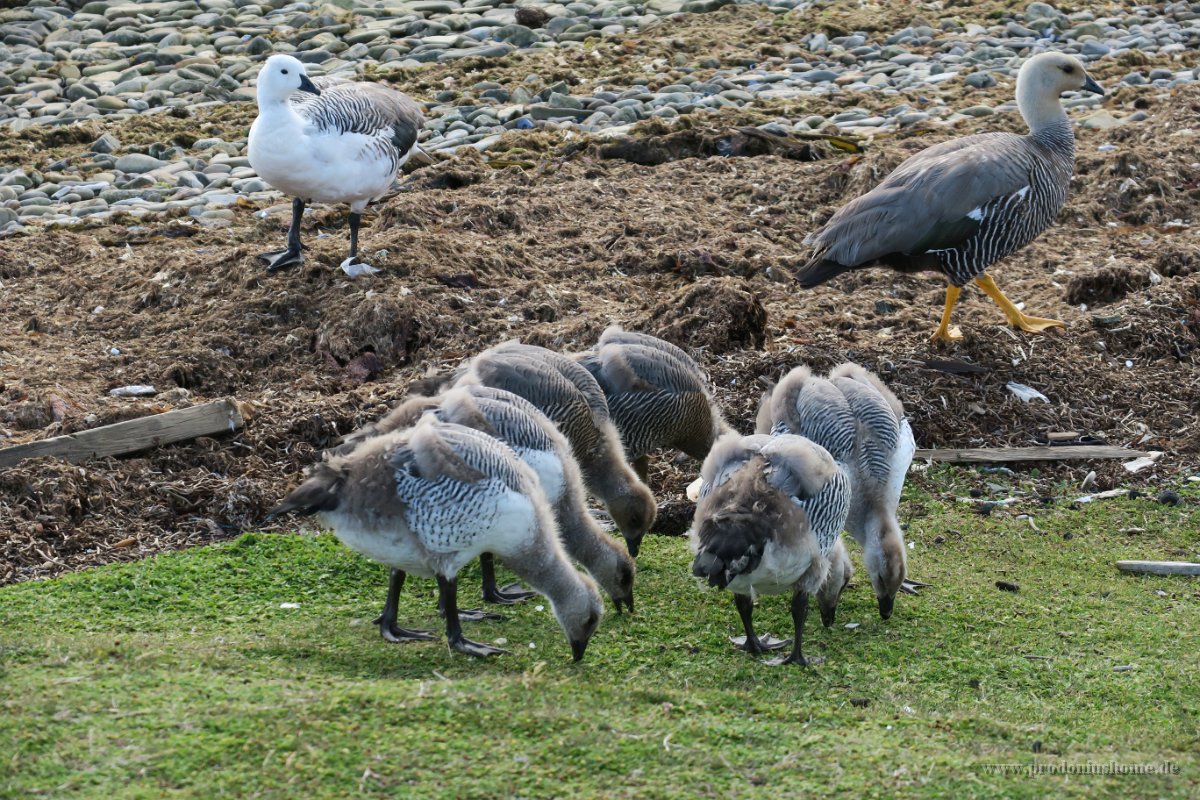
328, 142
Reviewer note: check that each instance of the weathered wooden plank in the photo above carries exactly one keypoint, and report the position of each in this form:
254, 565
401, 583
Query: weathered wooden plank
1160, 567
221, 416
985, 455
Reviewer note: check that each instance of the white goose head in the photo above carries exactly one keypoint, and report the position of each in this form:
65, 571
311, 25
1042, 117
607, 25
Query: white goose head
282, 76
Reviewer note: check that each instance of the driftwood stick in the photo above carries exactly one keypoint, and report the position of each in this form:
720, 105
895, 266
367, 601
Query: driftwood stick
985, 455
1160, 567
221, 416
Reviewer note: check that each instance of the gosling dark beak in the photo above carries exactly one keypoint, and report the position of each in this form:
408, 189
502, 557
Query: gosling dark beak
577, 648
885, 606
633, 545
623, 601
827, 616
1091, 86
308, 86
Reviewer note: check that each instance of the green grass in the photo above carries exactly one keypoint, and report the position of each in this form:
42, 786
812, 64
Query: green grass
181, 676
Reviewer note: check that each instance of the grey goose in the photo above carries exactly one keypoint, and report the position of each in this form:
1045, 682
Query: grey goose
962, 205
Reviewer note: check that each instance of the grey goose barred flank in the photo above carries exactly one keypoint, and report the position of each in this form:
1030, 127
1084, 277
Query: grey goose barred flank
519, 424
567, 394
854, 416
328, 141
657, 396
960, 206
430, 499
768, 521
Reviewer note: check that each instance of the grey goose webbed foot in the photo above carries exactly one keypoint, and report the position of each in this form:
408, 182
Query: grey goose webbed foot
751, 643
912, 587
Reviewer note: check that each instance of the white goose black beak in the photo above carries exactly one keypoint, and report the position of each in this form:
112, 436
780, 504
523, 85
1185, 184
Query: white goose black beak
308, 86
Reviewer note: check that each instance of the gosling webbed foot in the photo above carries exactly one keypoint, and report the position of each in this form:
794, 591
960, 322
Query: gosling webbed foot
507, 595
394, 633
912, 587
759, 644
478, 615
795, 657
470, 648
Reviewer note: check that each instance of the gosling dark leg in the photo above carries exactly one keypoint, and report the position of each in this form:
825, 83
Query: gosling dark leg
799, 614
293, 254
387, 620
751, 643
507, 596
448, 592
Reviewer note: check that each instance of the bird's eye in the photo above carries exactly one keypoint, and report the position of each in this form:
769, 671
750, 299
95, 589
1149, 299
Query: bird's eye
1069, 69
284, 71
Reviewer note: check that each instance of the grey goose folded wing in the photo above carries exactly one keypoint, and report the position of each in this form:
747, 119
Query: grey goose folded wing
392, 120
933, 201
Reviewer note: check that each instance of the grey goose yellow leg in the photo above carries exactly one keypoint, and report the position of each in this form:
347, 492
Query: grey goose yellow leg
768, 520
962, 205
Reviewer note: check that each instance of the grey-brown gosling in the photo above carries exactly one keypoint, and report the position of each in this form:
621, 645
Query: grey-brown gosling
430, 499
862, 424
769, 520
568, 394
657, 395
530, 433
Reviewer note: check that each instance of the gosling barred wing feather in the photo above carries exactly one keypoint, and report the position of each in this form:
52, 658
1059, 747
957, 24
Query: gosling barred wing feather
878, 430
827, 511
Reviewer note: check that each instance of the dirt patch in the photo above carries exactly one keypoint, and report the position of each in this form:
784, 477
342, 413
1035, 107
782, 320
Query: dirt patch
713, 314
1105, 285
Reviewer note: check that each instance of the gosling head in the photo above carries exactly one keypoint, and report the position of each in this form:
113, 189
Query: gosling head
282, 76
887, 578
579, 614
840, 573
634, 511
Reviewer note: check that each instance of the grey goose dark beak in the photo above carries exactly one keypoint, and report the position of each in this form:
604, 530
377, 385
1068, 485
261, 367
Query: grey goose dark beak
308, 86
885, 606
577, 648
623, 601
1090, 85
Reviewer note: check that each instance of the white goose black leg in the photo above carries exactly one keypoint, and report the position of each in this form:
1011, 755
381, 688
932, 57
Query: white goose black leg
294, 253
448, 592
799, 613
506, 596
387, 620
751, 643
